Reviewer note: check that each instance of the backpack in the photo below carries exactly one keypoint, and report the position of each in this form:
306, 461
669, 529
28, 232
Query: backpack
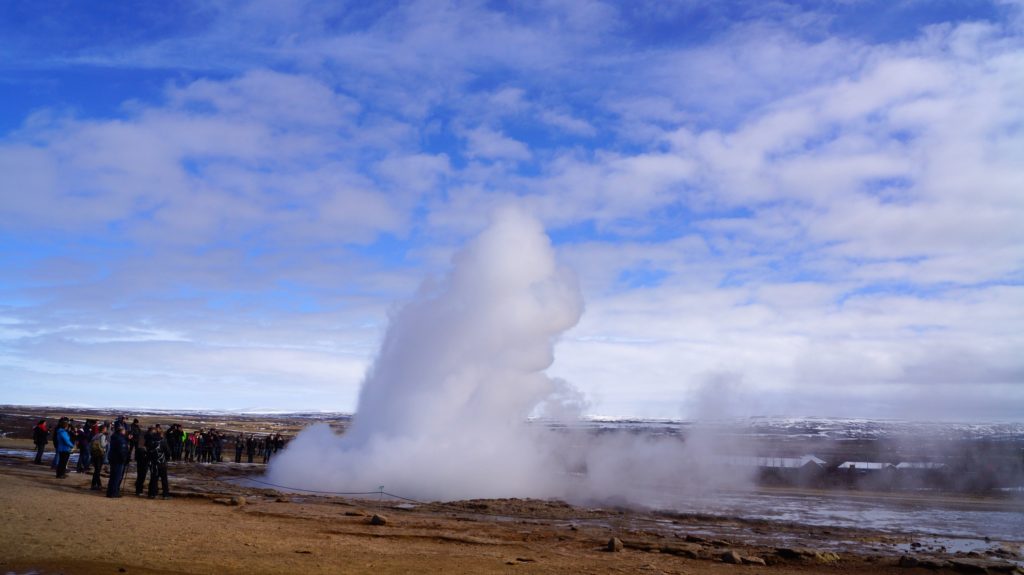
96, 447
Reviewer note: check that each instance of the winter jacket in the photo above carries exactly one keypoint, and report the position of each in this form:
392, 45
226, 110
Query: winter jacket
118, 449
99, 443
40, 434
64, 444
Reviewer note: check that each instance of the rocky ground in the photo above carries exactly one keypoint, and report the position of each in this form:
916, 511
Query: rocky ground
218, 522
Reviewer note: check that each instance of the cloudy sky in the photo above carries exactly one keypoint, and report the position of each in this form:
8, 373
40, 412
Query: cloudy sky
773, 208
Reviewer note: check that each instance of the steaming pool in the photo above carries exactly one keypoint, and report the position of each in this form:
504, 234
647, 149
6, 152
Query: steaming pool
836, 510
956, 526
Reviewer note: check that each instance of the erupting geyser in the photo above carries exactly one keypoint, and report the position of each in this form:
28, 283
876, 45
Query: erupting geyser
442, 412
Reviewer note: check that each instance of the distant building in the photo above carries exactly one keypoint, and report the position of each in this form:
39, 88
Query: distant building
920, 465
866, 465
768, 462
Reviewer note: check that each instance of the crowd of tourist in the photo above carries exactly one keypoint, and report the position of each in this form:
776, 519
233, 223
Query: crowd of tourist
118, 444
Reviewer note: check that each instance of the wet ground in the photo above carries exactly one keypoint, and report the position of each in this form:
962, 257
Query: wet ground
866, 529
855, 522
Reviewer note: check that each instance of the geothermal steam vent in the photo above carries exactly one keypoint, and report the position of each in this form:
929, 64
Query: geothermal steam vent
442, 411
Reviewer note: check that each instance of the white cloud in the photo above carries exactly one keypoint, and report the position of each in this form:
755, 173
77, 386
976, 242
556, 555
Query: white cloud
486, 143
567, 123
822, 218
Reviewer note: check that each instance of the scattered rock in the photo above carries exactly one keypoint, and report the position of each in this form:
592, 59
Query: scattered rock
378, 520
982, 566
805, 554
526, 560
908, 561
719, 542
283, 500
356, 513
931, 563
751, 560
122, 570
695, 539
732, 557
641, 545
237, 501
793, 553
614, 545
969, 566
303, 552
826, 557
688, 551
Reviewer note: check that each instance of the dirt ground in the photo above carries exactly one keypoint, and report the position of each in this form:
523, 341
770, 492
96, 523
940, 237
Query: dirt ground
59, 526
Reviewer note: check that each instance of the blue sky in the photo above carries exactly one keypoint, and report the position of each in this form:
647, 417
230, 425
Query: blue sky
808, 208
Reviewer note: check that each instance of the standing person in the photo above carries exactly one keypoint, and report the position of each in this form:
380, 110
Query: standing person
64, 447
142, 461
83, 441
97, 448
217, 445
118, 455
239, 444
190, 446
134, 439
250, 448
39, 436
201, 444
171, 437
179, 441
53, 438
157, 452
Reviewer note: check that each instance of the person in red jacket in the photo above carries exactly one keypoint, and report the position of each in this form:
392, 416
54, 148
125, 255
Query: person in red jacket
40, 434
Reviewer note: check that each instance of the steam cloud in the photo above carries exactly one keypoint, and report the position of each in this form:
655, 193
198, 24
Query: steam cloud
443, 412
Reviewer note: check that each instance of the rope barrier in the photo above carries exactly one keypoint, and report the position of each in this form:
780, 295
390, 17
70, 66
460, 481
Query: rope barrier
378, 492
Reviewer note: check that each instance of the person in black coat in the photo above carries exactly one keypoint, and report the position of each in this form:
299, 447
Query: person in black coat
135, 441
142, 460
118, 457
157, 453
39, 436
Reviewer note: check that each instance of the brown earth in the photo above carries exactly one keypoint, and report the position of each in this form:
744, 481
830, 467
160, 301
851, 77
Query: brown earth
59, 526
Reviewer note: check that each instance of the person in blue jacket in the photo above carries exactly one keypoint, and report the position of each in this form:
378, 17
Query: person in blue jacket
64, 447
118, 456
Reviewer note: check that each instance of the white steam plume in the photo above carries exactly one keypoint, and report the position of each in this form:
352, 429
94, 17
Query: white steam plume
442, 413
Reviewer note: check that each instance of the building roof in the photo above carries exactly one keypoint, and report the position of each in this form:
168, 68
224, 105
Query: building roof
920, 465
774, 462
865, 465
